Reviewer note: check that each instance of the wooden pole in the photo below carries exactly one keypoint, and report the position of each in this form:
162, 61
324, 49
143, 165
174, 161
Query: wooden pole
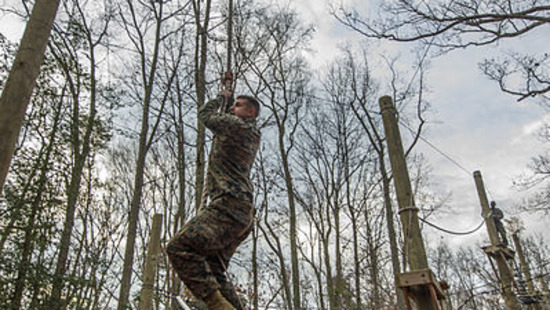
151, 261
486, 210
545, 291
526, 271
414, 245
505, 273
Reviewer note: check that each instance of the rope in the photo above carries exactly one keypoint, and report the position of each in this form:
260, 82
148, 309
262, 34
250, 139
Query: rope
227, 83
453, 232
229, 35
414, 209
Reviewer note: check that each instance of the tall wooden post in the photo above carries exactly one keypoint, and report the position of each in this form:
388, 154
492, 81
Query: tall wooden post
526, 271
498, 253
151, 261
408, 212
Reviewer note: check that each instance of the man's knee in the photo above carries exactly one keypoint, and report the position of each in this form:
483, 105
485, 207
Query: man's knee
170, 248
176, 249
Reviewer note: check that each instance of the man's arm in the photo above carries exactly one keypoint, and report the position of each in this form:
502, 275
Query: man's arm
209, 110
216, 121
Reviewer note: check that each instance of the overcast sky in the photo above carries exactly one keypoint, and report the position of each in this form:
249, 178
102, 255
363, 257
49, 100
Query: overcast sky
472, 121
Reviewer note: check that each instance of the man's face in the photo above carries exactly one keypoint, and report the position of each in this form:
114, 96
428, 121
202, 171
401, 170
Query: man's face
241, 109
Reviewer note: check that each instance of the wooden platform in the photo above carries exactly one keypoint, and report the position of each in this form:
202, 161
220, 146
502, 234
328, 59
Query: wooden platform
418, 280
494, 250
528, 299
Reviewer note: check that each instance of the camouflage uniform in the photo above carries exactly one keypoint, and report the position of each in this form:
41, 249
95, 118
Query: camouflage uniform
497, 216
201, 251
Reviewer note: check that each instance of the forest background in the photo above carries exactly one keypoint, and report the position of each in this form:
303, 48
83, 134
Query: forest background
111, 138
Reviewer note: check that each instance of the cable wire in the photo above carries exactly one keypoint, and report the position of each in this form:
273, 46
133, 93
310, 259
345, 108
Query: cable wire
437, 149
453, 232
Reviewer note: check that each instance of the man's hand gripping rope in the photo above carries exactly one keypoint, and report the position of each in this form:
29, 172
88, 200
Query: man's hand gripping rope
226, 93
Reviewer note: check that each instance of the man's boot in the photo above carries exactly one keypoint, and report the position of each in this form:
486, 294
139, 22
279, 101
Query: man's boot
216, 301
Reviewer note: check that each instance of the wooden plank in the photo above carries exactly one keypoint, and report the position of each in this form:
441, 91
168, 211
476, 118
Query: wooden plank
422, 277
494, 250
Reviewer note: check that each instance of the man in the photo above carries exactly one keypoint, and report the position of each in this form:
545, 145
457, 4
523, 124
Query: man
497, 216
201, 251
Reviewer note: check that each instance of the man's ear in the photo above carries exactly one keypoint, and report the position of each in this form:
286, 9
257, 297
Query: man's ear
251, 112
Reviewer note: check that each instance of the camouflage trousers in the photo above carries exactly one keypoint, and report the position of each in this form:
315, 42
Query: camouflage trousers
501, 231
201, 251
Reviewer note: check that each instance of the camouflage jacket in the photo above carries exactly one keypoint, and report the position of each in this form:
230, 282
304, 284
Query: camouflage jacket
496, 213
235, 145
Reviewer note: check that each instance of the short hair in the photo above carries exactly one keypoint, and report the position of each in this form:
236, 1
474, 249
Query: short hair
251, 102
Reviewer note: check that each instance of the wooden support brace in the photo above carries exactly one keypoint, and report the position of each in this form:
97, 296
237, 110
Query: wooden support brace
494, 250
415, 281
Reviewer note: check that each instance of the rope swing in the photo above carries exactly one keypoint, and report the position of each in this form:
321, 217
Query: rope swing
227, 84
227, 78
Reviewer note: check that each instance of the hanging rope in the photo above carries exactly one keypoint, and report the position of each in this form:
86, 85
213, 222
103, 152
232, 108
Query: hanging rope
227, 78
453, 232
229, 36
227, 84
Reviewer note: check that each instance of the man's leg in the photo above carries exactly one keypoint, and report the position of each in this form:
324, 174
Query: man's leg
226, 287
206, 235
503, 236
219, 266
219, 263
190, 261
502, 232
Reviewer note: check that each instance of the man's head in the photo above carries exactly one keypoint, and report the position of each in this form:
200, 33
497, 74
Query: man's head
493, 204
245, 107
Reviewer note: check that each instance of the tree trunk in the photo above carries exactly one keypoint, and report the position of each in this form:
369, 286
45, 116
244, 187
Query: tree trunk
20, 83
339, 285
356, 261
329, 278
255, 282
201, 49
179, 219
293, 229
373, 266
143, 148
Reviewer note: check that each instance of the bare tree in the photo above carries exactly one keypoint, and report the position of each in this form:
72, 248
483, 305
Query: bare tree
280, 80
271, 224
177, 143
82, 133
147, 26
39, 197
451, 24
538, 252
